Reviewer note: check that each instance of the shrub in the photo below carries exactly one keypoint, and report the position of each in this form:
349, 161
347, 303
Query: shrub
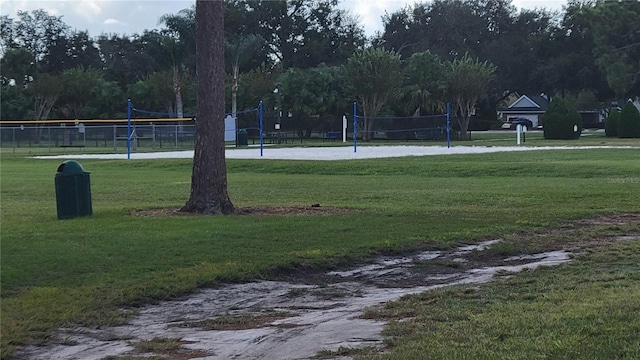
611, 123
629, 122
559, 121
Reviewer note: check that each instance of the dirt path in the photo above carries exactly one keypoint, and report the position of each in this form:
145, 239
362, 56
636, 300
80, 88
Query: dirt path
281, 320
307, 315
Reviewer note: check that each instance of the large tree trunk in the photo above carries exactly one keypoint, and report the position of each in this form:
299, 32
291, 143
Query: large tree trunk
209, 178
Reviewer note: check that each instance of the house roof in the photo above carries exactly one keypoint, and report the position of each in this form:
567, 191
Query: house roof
530, 104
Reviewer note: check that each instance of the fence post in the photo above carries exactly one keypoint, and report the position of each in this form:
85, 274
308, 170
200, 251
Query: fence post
448, 126
355, 126
260, 126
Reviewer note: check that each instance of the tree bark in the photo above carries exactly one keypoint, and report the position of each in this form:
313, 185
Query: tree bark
234, 89
44, 104
177, 90
209, 177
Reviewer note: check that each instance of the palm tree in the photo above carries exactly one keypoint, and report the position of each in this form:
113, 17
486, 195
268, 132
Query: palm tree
177, 43
424, 84
467, 80
374, 77
240, 51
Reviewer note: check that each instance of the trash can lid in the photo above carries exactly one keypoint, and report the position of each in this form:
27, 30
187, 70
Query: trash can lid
71, 167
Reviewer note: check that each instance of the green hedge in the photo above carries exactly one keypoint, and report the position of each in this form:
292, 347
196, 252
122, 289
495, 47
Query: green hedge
629, 122
559, 121
611, 123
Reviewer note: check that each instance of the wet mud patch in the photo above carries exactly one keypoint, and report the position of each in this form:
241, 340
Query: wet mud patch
325, 314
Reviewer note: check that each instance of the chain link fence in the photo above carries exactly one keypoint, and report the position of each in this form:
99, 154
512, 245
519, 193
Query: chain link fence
108, 137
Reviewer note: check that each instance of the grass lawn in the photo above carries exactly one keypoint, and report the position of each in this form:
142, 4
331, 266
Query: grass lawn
588, 309
82, 271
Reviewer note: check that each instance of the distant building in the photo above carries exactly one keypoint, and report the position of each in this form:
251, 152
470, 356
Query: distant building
528, 107
534, 107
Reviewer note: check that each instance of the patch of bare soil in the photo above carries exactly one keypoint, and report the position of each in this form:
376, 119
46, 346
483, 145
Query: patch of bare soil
300, 317
313, 209
617, 219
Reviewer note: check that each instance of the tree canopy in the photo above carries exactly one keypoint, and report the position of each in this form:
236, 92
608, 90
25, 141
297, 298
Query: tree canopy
588, 52
466, 81
374, 76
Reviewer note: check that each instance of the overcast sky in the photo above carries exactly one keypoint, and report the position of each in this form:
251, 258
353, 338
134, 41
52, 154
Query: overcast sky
134, 16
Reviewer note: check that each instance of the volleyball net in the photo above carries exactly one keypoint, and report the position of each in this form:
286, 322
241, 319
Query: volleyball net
427, 127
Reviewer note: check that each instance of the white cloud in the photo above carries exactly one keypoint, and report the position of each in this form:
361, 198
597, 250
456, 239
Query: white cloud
370, 12
539, 4
134, 16
88, 9
11, 7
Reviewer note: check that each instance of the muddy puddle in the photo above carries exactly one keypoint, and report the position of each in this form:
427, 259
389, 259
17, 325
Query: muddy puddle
281, 320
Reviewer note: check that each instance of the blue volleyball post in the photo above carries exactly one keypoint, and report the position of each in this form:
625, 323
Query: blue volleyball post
128, 129
261, 122
355, 126
448, 126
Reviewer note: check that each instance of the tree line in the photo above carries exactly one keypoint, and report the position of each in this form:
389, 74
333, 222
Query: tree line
470, 53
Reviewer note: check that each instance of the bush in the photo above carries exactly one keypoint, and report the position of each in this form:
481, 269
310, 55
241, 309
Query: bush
611, 123
559, 121
629, 122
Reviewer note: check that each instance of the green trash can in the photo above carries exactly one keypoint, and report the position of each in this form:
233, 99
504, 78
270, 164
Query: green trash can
243, 138
73, 191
